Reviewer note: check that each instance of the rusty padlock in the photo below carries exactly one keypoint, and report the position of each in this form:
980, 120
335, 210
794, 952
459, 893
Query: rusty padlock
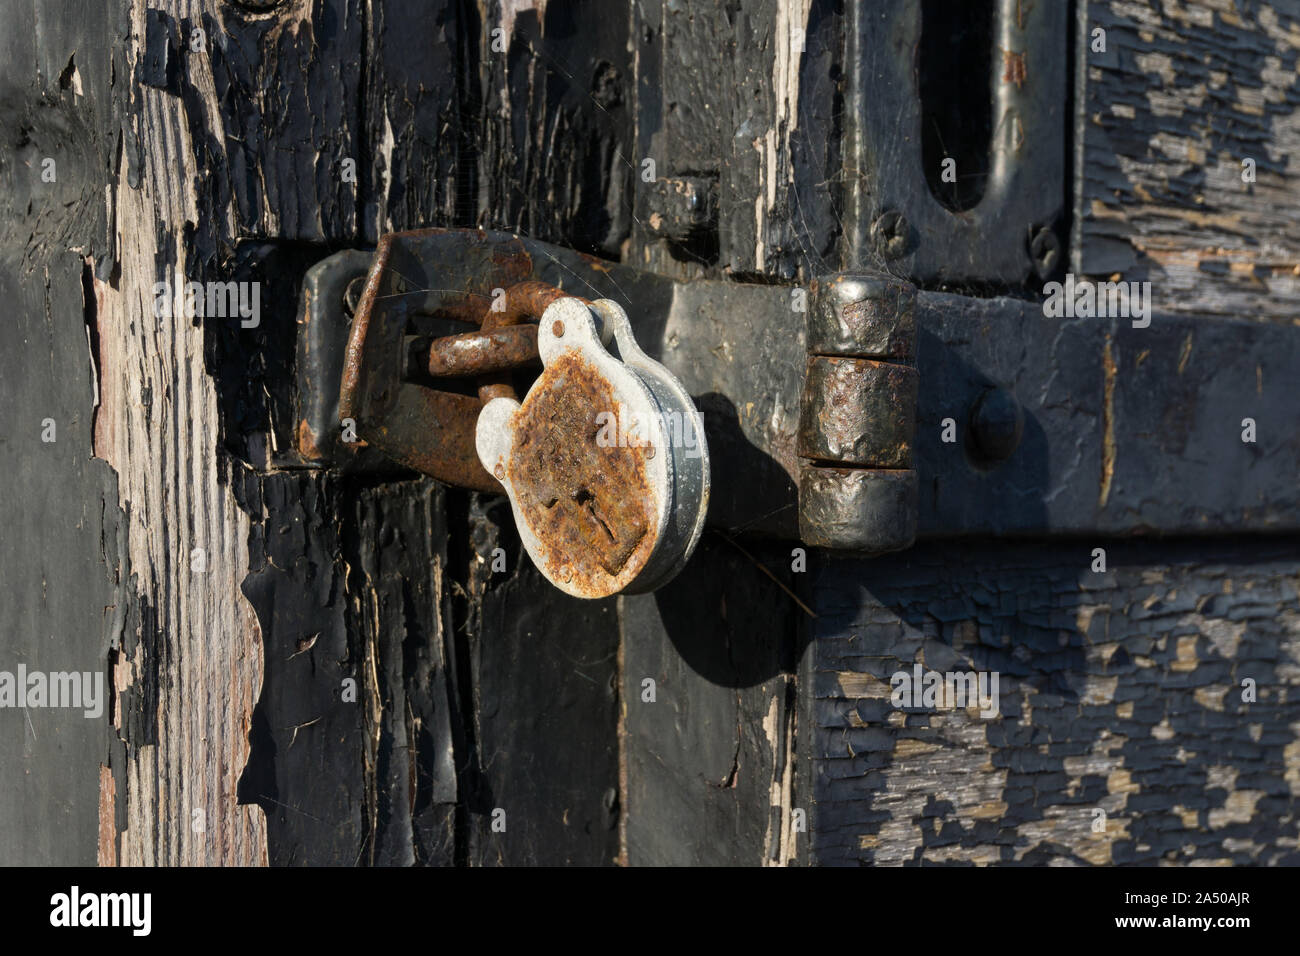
604, 462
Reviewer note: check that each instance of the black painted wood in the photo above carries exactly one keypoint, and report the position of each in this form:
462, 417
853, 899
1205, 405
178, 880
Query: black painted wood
62, 559
709, 690
478, 690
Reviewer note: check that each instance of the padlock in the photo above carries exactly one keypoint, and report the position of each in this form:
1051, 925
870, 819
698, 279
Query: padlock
605, 462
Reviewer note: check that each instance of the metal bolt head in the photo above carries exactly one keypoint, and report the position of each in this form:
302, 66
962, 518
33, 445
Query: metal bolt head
1045, 250
683, 208
997, 422
891, 234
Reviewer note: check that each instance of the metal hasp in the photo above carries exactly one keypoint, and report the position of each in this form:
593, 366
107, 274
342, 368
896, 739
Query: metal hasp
857, 426
959, 164
1025, 425
605, 462
392, 362
419, 302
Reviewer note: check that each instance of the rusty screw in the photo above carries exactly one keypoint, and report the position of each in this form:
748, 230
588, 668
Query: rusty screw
890, 234
1045, 250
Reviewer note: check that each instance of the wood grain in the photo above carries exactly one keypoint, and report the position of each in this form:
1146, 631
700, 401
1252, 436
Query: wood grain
191, 673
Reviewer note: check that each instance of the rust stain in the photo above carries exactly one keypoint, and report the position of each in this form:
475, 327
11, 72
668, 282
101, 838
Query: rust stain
349, 390
863, 412
427, 429
481, 352
589, 504
306, 440
524, 301
1107, 424
595, 262
521, 302
1014, 69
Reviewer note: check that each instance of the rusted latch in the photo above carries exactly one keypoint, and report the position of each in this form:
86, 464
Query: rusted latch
605, 461
399, 349
391, 370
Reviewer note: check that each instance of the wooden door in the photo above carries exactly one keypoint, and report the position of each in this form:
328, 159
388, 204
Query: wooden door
302, 666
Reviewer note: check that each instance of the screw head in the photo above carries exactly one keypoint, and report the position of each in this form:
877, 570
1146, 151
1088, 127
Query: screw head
1045, 250
891, 234
352, 295
997, 422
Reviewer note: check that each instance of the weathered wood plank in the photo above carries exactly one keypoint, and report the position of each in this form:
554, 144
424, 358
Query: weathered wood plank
396, 549
553, 148
746, 101
61, 563
710, 761
195, 660
547, 697
531, 135
420, 116
272, 117
1120, 691
202, 164
305, 767
1182, 95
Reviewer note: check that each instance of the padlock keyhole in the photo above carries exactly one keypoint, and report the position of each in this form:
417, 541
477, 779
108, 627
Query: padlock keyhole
587, 501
